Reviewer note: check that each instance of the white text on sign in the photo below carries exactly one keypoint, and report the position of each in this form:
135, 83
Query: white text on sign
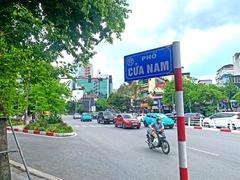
158, 67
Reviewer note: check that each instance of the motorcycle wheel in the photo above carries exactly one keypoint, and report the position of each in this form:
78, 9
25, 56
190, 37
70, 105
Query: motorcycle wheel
150, 145
165, 147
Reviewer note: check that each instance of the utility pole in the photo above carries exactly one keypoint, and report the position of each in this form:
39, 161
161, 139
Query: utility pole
5, 173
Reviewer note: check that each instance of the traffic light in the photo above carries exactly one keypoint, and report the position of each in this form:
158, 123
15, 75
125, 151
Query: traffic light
89, 79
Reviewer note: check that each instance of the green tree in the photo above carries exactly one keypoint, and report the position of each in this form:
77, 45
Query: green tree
101, 104
33, 31
70, 106
75, 26
48, 96
119, 102
197, 97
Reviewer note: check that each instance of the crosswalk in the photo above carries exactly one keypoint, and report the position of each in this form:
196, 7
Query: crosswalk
93, 125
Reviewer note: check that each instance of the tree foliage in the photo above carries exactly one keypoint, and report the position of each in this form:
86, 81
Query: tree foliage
74, 26
48, 96
34, 34
197, 97
119, 102
101, 104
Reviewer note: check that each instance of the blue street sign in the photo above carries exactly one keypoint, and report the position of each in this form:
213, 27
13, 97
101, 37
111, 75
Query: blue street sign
147, 64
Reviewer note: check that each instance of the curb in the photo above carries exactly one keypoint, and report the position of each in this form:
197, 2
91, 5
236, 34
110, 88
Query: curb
43, 133
34, 171
211, 129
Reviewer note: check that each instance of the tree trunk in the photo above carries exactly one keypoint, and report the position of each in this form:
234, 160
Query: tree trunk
5, 173
27, 98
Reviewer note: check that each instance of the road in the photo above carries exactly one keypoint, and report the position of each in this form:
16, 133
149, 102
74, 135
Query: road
103, 152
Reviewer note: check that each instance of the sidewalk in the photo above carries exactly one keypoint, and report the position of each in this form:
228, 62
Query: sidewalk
18, 173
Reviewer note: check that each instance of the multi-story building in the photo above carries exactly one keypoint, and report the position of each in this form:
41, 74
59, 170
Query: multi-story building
224, 74
229, 72
236, 63
88, 70
83, 71
87, 89
100, 87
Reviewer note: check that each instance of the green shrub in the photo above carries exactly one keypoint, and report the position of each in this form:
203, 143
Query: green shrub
59, 128
54, 119
16, 122
33, 126
42, 123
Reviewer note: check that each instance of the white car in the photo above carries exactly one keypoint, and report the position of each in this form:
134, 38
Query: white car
229, 120
76, 116
140, 117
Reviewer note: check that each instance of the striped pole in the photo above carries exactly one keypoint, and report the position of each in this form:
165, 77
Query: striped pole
182, 152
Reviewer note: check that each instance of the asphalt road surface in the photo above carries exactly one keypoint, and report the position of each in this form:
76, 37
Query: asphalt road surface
103, 152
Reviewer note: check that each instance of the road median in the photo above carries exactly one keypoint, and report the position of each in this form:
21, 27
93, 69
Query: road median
43, 133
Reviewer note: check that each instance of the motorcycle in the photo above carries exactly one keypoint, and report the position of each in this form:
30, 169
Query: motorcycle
159, 142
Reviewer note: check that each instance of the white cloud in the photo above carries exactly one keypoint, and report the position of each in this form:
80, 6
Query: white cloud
196, 6
146, 16
155, 23
195, 44
108, 66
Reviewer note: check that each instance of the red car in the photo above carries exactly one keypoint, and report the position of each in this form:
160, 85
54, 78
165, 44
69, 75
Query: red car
127, 121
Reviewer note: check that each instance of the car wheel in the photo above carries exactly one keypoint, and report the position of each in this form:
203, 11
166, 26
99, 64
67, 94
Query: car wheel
116, 125
170, 127
138, 127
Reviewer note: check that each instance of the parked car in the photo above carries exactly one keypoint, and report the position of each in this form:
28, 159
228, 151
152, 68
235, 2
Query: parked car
86, 117
172, 116
223, 120
151, 117
127, 121
105, 117
94, 115
140, 117
195, 119
76, 116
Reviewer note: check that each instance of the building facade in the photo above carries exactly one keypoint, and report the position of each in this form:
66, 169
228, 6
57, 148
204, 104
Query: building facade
224, 74
205, 81
100, 87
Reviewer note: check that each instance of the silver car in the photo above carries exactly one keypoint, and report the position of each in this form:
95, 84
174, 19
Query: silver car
229, 120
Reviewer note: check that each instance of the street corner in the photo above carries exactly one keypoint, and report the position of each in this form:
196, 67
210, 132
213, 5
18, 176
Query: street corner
42, 133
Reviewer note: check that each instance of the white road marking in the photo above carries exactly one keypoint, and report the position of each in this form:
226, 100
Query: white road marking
76, 126
202, 151
91, 125
84, 126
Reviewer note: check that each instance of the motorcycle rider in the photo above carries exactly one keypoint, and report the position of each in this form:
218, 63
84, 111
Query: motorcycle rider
155, 128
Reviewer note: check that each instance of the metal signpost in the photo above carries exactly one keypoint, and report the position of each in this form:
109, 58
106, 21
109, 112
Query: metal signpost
158, 62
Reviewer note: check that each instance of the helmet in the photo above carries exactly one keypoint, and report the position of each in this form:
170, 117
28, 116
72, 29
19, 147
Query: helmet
158, 119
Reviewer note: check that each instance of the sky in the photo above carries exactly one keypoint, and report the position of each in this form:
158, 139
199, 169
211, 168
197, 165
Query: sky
208, 31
